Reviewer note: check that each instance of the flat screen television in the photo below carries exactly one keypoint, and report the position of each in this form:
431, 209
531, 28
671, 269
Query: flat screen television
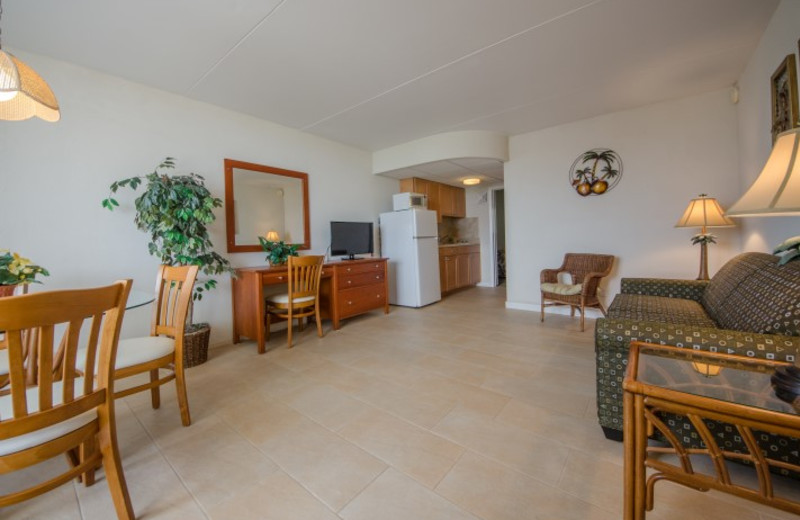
351, 239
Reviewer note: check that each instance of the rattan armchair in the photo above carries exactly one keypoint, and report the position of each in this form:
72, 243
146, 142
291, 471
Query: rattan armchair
586, 271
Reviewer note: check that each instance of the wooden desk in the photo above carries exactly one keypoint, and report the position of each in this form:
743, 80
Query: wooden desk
348, 288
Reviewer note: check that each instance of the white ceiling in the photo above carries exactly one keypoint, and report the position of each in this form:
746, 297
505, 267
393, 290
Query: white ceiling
376, 73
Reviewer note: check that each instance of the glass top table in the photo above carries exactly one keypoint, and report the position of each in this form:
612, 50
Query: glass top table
742, 381
684, 408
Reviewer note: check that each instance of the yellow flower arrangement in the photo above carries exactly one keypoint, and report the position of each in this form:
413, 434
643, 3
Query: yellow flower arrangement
16, 269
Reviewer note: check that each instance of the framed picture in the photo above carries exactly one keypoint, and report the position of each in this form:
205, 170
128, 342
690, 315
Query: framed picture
784, 97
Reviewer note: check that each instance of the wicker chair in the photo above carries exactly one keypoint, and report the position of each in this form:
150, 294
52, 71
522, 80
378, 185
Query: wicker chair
586, 271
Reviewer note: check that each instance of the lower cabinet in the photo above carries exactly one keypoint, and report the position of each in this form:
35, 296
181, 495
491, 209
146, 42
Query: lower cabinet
459, 266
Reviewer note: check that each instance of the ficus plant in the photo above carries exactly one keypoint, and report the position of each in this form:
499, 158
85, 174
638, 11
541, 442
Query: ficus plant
175, 211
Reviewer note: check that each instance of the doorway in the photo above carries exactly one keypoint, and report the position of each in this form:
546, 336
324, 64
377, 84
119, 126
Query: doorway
497, 214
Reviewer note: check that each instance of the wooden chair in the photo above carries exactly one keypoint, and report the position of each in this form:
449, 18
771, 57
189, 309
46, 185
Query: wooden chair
163, 348
65, 412
586, 271
302, 298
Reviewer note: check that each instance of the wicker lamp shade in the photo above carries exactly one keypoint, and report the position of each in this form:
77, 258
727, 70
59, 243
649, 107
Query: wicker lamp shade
776, 191
704, 212
23, 93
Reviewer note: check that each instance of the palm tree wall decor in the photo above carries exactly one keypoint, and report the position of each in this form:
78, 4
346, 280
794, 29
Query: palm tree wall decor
585, 177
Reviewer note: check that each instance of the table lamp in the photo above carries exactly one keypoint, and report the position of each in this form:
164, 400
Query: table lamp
704, 212
776, 192
273, 236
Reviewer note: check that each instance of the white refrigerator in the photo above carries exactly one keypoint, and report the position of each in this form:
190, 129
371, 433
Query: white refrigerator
409, 240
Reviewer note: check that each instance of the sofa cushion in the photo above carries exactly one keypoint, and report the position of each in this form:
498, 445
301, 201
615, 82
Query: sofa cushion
727, 279
639, 307
766, 301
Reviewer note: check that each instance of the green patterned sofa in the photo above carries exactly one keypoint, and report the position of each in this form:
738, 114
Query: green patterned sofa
751, 308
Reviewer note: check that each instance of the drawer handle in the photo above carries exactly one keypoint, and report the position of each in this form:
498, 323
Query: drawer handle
377, 295
348, 269
377, 277
280, 278
349, 282
349, 303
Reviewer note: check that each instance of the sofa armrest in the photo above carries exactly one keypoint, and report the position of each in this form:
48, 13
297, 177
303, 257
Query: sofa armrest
686, 289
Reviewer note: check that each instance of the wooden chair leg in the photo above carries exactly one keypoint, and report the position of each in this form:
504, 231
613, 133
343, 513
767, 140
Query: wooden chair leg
319, 322
571, 311
289, 327
301, 324
86, 450
183, 399
541, 315
155, 392
114, 476
583, 316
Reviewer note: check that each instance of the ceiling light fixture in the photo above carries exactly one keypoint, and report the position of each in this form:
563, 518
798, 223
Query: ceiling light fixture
471, 181
23, 93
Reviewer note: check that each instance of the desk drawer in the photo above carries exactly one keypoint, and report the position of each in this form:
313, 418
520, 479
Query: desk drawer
348, 281
360, 267
275, 278
361, 299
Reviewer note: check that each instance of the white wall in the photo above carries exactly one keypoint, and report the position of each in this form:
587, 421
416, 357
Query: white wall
671, 152
53, 177
755, 121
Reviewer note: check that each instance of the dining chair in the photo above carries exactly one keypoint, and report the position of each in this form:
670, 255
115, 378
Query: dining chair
586, 271
163, 348
302, 297
67, 411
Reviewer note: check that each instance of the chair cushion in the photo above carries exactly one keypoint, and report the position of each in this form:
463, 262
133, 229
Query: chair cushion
284, 299
640, 307
29, 440
562, 288
134, 351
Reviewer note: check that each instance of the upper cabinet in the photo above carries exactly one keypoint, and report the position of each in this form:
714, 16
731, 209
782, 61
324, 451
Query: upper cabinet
445, 200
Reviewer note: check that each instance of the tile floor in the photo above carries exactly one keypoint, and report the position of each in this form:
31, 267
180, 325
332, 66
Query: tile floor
462, 410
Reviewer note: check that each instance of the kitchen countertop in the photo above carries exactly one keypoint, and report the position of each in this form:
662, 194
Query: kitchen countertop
461, 245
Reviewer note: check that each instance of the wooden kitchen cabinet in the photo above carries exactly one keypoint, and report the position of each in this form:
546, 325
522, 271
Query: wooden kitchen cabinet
445, 200
459, 266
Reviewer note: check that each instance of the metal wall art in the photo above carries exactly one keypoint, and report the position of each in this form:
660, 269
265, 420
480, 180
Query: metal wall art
595, 172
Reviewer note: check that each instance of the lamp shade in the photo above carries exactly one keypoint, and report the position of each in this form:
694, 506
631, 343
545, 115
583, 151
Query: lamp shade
272, 236
776, 191
23, 93
704, 212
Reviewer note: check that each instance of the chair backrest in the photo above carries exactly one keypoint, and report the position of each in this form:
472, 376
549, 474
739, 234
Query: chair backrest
581, 264
304, 275
63, 392
174, 286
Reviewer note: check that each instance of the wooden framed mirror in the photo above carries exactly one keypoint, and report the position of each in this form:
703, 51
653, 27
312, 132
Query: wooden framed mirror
260, 199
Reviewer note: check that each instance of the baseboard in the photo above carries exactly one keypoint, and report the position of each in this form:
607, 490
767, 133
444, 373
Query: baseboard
537, 307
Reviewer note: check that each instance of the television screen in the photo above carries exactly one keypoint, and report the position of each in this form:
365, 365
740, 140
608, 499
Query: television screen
351, 238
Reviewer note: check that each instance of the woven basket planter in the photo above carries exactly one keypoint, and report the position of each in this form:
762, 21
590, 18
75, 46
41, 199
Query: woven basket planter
195, 344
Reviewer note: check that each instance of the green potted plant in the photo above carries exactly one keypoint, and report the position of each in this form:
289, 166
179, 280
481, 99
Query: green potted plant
278, 252
16, 270
175, 211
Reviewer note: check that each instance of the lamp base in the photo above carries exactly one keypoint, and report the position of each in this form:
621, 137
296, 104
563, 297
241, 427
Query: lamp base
703, 262
786, 383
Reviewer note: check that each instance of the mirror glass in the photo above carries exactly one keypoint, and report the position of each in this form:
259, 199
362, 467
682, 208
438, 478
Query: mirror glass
262, 199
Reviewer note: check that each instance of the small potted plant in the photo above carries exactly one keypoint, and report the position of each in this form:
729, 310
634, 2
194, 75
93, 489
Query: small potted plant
16, 270
175, 210
278, 252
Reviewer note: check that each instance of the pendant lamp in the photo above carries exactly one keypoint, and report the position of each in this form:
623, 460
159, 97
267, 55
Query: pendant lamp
23, 93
